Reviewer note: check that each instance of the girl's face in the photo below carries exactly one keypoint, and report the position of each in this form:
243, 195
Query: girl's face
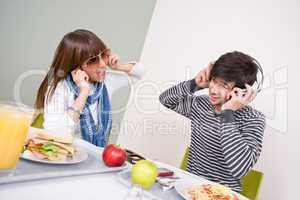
96, 66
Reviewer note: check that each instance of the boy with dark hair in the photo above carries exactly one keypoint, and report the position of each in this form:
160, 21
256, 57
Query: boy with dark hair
227, 134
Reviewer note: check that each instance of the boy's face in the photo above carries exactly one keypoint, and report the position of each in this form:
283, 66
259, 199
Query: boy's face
219, 91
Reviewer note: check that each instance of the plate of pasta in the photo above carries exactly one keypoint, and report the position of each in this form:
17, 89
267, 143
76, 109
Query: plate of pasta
195, 190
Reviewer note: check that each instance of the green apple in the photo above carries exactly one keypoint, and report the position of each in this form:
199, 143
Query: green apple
144, 173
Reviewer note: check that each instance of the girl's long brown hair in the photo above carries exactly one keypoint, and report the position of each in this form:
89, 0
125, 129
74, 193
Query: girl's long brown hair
73, 50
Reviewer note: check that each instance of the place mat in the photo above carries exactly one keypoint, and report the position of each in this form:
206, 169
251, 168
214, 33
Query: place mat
29, 170
155, 192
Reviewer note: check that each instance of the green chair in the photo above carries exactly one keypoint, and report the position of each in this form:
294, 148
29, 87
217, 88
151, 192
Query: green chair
251, 183
38, 121
184, 161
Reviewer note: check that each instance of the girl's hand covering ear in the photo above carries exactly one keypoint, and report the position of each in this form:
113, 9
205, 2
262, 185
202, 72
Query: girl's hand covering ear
81, 79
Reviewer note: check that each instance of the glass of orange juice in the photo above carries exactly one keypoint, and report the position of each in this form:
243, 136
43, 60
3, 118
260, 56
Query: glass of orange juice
14, 124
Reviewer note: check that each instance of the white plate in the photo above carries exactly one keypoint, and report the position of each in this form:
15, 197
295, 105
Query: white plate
79, 156
182, 185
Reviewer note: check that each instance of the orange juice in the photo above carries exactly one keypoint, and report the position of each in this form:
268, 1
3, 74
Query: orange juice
14, 124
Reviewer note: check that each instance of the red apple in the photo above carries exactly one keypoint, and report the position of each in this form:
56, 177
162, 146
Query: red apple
113, 156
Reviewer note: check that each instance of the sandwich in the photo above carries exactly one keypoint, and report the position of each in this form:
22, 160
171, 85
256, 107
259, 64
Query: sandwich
49, 147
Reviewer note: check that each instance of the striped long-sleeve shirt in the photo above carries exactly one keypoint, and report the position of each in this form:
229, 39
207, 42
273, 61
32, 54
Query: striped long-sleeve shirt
225, 146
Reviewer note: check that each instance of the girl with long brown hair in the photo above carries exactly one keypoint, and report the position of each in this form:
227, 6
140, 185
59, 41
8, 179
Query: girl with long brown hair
76, 91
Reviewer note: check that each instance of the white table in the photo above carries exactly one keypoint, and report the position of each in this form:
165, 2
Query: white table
99, 186
79, 187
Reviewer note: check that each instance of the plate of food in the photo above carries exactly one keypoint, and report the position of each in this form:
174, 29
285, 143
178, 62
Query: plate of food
46, 148
195, 190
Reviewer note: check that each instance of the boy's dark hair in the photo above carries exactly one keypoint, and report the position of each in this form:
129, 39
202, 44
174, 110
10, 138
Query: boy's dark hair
235, 67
